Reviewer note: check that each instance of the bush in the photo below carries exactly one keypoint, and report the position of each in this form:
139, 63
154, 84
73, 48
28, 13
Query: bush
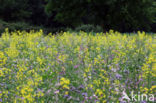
12, 26
1, 26
89, 28
15, 26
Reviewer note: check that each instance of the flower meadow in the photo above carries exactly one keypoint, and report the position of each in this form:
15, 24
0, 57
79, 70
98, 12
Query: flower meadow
76, 67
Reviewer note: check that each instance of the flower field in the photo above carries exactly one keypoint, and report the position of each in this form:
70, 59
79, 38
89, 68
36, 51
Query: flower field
76, 67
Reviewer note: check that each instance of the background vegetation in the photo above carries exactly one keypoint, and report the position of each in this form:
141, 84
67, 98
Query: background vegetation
121, 15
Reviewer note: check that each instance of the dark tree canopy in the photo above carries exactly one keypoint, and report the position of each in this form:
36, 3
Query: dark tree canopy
14, 9
123, 15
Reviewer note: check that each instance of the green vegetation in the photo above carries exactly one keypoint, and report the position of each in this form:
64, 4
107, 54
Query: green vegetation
66, 51
71, 68
120, 15
89, 28
14, 26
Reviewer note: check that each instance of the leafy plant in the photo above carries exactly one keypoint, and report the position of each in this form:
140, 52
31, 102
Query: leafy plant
89, 28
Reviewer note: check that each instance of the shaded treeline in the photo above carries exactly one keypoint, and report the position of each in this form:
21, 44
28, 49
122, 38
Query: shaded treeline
121, 15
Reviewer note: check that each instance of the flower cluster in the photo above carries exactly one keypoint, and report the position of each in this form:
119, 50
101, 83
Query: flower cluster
75, 67
64, 83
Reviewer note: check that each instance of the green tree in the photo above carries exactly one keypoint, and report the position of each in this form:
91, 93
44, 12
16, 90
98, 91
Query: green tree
66, 11
38, 15
14, 9
122, 15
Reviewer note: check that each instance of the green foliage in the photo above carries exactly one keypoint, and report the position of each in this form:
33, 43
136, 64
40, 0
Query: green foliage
66, 11
89, 28
12, 26
16, 26
14, 9
31, 11
122, 15
38, 15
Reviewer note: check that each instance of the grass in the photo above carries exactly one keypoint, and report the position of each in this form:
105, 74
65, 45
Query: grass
71, 68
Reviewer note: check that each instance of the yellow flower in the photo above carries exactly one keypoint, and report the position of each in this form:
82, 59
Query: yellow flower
65, 82
104, 101
154, 67
153, 87
100, 93
2, 58
90, 85
62, 58
85, 75
39, 60
1, 73
65, 86
66, 93
12, 52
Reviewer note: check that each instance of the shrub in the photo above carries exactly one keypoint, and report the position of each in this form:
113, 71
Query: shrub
12, 26
89, 28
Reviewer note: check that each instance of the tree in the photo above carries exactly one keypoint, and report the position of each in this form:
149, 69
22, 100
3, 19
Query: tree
122, 15
66, 11
14, 10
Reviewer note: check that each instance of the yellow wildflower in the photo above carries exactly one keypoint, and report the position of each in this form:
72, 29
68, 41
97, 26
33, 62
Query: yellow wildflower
1, 73
64, 82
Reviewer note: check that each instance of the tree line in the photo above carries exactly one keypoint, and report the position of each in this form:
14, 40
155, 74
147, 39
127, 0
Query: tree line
121, 15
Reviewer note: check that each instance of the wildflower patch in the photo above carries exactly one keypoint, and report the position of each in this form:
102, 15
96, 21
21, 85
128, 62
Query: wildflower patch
77, 67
